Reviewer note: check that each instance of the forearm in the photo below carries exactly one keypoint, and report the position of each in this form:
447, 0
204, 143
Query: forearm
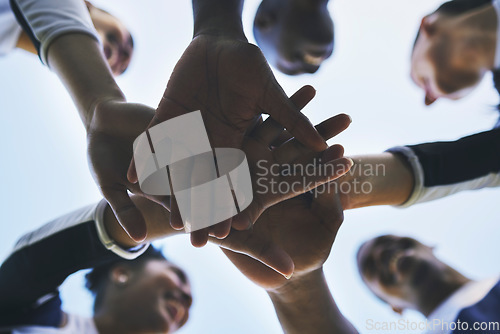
78, 61
218, 17
419, 173
63, 34
42, 259
305, 305
378, 179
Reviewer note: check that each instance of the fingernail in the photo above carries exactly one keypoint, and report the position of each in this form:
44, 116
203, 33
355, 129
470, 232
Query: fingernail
350, 118
288, 276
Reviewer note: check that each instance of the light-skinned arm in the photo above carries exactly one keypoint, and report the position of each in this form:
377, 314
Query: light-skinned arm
375, 179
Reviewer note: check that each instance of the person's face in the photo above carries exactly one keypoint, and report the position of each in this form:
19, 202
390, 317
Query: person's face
295, 36
396, 268
158, 297
441, 65
117, 41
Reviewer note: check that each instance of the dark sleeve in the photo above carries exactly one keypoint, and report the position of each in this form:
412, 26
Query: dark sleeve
483, 317
445, 168
42, 260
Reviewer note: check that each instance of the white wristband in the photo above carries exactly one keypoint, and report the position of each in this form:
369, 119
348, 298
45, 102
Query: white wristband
108, 242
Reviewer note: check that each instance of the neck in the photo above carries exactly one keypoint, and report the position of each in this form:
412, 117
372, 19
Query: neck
442, 287
478, 30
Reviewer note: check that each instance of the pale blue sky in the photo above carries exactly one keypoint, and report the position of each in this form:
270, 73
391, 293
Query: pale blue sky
45, 171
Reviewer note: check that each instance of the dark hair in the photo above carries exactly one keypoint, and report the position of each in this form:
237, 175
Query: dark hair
457, 7
97, 278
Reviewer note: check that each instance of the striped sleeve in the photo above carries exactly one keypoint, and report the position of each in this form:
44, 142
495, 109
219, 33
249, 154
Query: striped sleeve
444, 168
45, 20
44, 258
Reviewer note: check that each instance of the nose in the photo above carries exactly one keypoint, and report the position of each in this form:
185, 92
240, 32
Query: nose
429, 99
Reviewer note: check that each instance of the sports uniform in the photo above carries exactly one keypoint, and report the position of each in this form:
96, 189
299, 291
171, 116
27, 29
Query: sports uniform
42, 260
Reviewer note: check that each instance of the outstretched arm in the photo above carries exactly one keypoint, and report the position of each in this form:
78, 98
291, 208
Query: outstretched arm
45, 257
376, 179
408, 175
65, 38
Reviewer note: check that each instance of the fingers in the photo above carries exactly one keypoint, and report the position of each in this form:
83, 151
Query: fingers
199, 238
260, 249
303, 96
293, 185
270, 130
129, 217
222, 229
327, 172
333, 126
334, 152
132, 172
246, 218
329, 128
282, 109
175, 215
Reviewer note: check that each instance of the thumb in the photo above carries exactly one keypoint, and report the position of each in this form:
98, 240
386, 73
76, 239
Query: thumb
132, 172
129, 217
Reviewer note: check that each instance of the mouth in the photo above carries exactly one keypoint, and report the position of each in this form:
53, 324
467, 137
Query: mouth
313, 60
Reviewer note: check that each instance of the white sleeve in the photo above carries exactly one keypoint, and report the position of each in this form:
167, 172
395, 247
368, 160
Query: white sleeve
45, 20
10, 30
128, 254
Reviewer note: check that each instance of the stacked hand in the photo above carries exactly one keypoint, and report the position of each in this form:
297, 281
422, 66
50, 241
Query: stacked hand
296, 235
231, 83
114, 127
270, 186
304, 227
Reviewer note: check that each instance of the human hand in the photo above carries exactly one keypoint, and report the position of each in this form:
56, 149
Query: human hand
306, 168
114, 127
310, 220
230, 82
304, 227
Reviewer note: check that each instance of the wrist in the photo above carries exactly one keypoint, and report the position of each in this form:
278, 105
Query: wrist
218, 18
298, 287
343, 186
96, 112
